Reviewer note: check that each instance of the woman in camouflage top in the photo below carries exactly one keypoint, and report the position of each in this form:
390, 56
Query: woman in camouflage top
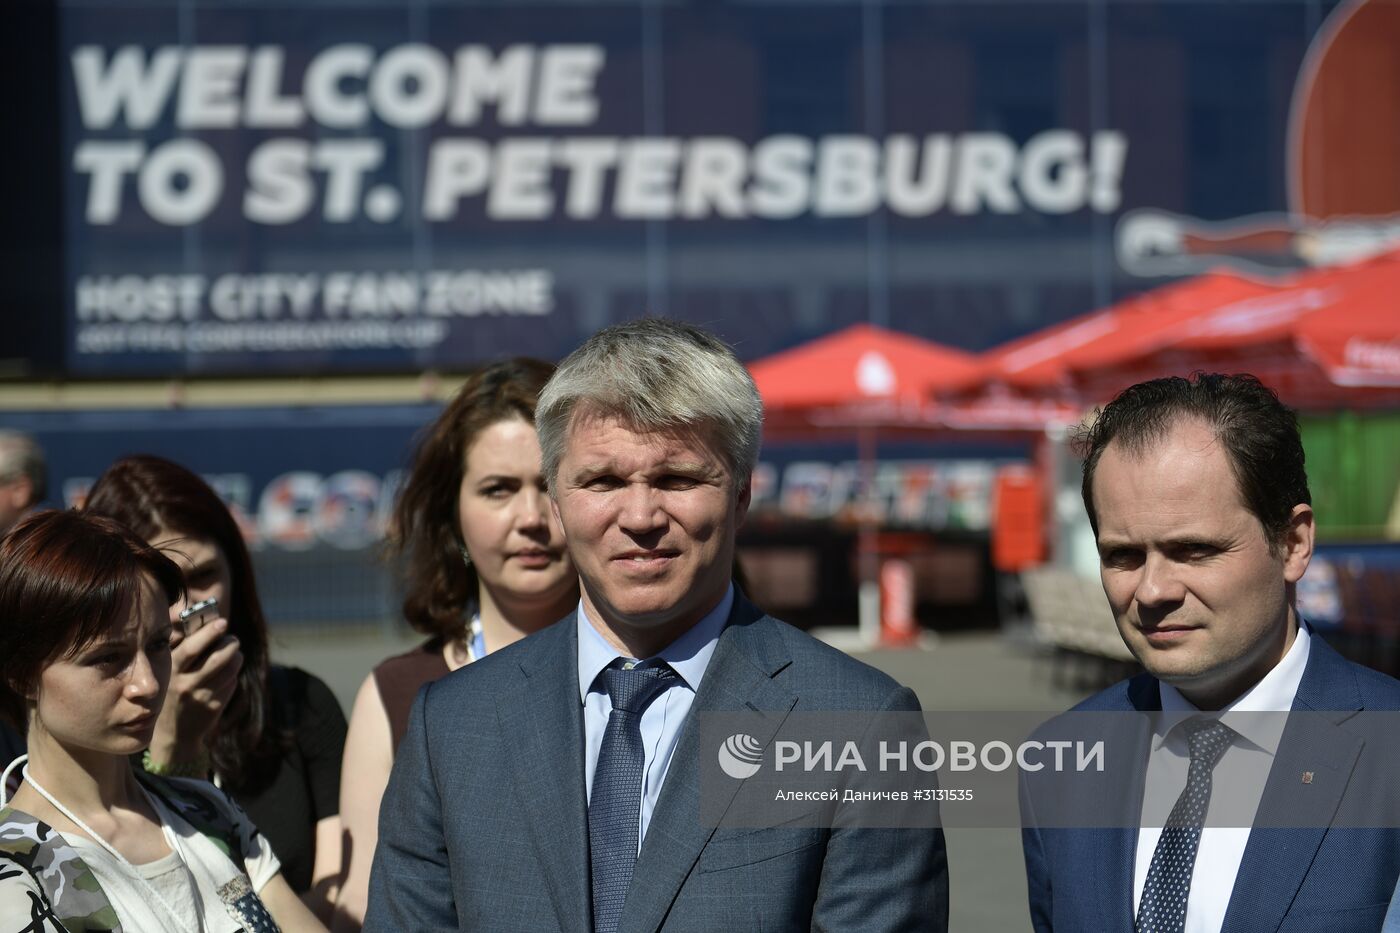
85, 634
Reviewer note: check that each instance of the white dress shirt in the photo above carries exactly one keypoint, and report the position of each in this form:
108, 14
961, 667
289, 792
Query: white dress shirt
661, 722
1243, 769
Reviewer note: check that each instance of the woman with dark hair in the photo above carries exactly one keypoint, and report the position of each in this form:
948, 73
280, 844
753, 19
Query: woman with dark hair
271, 736
484, 565
89, 842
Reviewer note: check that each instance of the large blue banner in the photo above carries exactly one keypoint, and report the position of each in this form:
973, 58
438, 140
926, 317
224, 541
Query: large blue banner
325, 476
313, 186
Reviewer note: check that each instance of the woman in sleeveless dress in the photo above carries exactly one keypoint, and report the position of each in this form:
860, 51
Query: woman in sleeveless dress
484, 565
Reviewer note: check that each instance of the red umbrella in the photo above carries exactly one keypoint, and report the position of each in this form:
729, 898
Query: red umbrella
859, 363
863, 375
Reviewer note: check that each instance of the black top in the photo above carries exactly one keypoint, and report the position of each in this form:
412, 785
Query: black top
11, 747
306, 787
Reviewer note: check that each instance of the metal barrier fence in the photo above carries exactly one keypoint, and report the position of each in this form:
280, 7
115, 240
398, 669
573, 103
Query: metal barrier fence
327, 588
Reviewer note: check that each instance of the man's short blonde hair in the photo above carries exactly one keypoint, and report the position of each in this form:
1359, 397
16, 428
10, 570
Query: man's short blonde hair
654, 374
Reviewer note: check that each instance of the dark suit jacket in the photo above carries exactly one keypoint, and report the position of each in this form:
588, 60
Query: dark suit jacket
484, 822
1321, 879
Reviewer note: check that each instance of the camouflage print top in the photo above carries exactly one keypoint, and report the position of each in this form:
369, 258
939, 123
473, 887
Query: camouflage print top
63, 893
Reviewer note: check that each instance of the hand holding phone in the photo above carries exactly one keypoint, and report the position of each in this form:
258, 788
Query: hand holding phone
205, 661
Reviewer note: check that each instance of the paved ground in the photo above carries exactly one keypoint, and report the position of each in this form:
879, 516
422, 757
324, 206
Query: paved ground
979, 671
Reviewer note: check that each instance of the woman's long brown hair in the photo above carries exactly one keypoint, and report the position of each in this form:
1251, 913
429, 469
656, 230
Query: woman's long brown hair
148, 494
425, 536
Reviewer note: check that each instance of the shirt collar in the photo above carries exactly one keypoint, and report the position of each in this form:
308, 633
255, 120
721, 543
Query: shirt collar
688, 655
1273, 694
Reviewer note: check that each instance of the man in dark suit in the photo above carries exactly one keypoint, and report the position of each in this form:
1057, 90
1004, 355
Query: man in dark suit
1199, 501
555, 785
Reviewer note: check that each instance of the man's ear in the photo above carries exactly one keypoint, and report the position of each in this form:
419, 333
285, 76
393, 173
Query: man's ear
742, 503
1298, 543
554, 509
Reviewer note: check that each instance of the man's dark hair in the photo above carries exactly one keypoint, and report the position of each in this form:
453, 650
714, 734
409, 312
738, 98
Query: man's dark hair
1258, 433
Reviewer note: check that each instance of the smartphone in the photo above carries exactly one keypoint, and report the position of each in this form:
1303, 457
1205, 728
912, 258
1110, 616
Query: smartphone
193, 618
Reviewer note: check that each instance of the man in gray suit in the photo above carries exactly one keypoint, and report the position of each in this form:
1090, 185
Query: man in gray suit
554, 785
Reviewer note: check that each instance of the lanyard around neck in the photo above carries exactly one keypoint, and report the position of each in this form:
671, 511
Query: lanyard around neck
476, 639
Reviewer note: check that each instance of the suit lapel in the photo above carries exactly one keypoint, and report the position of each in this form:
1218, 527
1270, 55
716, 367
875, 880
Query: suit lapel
740, 676
1276, 860
1118, 860
543, 725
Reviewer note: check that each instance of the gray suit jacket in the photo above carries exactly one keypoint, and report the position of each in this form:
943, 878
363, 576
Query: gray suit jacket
484, 822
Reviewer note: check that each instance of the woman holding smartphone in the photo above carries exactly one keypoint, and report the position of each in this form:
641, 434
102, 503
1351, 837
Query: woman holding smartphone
484, 566
90, 842
270, 736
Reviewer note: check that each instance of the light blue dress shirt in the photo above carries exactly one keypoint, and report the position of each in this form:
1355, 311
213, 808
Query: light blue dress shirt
1392, 916
661, 723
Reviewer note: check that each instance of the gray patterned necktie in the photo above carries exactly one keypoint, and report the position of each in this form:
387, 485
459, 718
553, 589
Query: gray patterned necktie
615, 807
1162, 908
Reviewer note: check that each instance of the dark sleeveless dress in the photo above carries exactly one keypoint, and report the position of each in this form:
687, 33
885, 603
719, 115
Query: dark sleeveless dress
399, 678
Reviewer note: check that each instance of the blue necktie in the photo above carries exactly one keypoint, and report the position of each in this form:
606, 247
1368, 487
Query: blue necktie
615, 807
1167, 890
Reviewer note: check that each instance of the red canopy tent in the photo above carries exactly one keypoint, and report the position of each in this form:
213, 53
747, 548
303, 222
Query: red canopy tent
1048, 361
1036, 381
1323, 339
